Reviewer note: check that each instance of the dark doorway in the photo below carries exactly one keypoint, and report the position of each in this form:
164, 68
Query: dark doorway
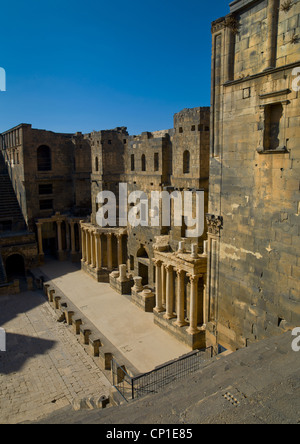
50, 247
144, 273
142, 252
15, 267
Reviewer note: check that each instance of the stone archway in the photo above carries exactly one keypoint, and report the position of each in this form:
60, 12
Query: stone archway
144, 273
15, 267
142, 252
143, 264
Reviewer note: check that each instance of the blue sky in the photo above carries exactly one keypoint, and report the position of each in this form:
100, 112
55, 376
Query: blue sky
83, 66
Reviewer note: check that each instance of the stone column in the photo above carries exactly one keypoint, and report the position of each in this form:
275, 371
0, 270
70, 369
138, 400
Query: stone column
213, 280
205, 312
68, 240
40, 242
120, 249
83, 240
109, 252
59, 236
170, 293
40, 238
229, 54
272, 23
159, 306
138, 286
87, 246
180, 298
93, 250
80, 235
73, 245
163, 284
61, 254
123, 273
98, 251
192, 330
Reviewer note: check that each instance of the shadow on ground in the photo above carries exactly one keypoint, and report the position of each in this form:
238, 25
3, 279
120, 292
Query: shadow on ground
20, 347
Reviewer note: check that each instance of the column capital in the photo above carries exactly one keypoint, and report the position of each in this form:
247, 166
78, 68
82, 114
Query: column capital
215, 224
169, 267
157, 262
180, 272
194, 277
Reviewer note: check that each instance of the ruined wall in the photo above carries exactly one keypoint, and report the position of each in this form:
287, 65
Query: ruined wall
254, 222
82, 167
60, 188
108, 162
148, 168
190, 162
12, 151
65, 185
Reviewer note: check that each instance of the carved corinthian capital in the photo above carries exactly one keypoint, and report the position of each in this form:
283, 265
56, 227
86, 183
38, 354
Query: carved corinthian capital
214, 223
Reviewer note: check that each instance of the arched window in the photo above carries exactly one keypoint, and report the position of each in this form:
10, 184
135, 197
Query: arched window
97, 164
44, 162
15, 267
156, 162
186, 162
132, 162
143, 162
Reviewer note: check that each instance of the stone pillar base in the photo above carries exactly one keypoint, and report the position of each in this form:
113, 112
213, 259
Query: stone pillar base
121, 286
75, 257
144, 300
158, 310
62, 256
41, 259
194, 342
99, 275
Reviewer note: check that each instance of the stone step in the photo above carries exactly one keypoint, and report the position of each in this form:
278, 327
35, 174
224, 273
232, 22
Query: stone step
10, 210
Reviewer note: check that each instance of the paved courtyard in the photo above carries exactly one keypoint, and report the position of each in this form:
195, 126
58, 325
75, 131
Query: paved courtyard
128, 328
44, 368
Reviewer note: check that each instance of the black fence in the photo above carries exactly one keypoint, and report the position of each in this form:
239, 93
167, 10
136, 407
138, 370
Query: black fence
149, 383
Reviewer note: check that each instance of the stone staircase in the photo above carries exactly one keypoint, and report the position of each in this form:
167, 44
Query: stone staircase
11, 217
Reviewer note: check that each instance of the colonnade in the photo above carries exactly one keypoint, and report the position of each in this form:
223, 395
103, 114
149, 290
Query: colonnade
166, 288
69, 242
93, 248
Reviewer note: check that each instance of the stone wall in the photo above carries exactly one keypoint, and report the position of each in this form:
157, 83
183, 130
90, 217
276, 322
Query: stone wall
63, 187
254, 225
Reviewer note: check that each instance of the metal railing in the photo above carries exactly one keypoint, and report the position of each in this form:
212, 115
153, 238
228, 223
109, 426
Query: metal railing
150, 383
